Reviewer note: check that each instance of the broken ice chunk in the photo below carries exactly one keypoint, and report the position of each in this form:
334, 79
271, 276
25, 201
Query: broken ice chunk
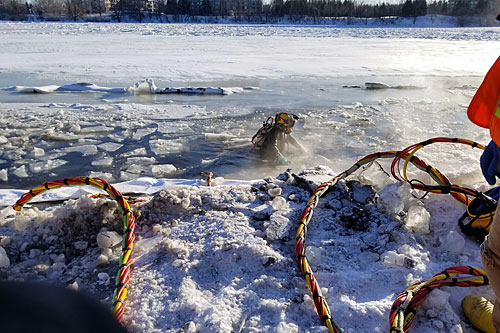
315, 255
389, 200
38, 152
86, 150
376, 176
95, 129
4, 258
417, 220
46, 165
142, 132
453, 243
110, 146
161, 147
219, 136
103, 162
144, 161
162, 169
75, 128
108, 239
274, 192
3, 175
103, 278
51, 135
103, 175
278, 227
124, 176
136, 169
21, 172
393, 258
102, 260
279, 203
135, 152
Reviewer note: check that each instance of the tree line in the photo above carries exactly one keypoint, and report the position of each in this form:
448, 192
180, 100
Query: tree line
250, 10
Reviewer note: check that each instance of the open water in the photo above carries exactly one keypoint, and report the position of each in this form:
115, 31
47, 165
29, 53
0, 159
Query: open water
341, 121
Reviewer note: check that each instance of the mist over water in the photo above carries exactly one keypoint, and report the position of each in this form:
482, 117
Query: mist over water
123, 136
101, 128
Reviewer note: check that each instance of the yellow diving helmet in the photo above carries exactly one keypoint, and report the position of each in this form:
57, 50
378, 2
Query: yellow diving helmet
285, 121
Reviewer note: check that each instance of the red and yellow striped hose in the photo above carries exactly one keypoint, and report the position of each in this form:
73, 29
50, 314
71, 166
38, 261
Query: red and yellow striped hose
123, 275
407, 154
406, 304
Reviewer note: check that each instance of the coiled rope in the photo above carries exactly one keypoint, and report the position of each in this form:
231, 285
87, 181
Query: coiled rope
123, 275
408, 155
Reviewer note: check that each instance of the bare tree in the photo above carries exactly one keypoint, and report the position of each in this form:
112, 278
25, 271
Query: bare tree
43, 7
172, 7
118, 10
14, 9
74, 9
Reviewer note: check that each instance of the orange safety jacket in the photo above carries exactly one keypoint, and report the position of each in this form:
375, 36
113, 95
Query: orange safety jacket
484, 109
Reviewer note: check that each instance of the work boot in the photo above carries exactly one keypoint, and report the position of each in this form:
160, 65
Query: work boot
478, 311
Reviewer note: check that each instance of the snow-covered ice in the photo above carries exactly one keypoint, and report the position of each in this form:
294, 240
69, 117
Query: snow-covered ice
221, 258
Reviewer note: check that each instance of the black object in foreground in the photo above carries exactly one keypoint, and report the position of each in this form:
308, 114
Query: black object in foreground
35, 307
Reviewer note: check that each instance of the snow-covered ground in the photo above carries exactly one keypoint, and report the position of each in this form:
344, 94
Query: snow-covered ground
221, 258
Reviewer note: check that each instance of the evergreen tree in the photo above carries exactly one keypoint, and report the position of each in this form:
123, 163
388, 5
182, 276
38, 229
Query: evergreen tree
74, 9
420, 7
184, 7
206, 9
482, 7
277, 7
461, 8
407, 9
118, 10
172, 7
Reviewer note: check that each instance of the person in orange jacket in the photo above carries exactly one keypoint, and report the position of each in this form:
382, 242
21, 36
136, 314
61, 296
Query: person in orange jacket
484, 111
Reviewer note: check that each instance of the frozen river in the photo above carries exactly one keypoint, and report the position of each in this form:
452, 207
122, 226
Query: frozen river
74, 100
318, 73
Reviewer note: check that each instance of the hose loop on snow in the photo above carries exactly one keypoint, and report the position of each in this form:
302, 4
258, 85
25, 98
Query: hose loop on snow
123, 275
462, 194
406, 304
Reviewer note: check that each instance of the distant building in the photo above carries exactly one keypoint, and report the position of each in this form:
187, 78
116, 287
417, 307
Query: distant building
244, 7
149, 5
230, 7
102, 6
97, 6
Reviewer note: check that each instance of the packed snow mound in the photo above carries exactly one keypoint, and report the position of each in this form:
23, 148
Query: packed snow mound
222, 259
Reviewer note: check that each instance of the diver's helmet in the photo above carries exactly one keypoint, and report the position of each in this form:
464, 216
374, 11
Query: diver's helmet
285, 121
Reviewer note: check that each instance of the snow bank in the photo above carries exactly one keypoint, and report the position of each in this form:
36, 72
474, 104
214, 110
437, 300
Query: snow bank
222, 258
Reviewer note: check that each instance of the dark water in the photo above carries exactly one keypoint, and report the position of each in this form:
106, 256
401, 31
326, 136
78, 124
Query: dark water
340, 121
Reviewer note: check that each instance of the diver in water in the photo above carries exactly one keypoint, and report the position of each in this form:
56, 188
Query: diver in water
274, 138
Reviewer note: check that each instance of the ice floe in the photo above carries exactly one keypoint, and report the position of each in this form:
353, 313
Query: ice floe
146, 86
